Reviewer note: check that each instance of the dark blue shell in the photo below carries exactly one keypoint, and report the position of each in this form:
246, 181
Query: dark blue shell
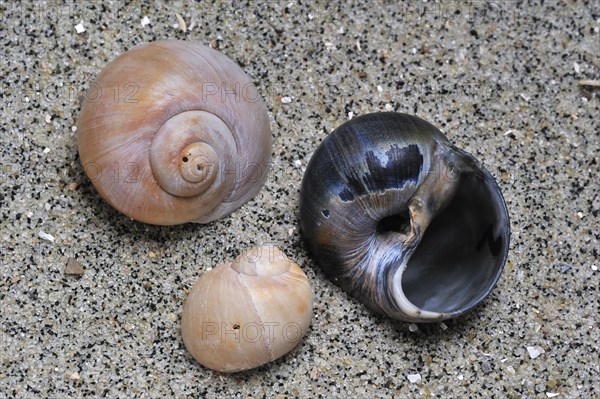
400, 218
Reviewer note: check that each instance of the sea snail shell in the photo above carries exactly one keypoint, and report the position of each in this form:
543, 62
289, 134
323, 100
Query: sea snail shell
174, 132
398, 216
246, 313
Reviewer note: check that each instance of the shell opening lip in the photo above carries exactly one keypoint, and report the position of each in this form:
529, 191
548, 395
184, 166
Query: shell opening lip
461, 255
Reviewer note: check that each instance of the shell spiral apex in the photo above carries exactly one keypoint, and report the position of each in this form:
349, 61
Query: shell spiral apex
398, 216
246, 313
174, 132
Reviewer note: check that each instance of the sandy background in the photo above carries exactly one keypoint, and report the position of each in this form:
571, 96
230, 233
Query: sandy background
500, 78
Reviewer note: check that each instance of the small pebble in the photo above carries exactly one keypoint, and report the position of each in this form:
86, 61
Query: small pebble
576, 67
74, 128
486, 368
594, 267
46, 236
413, 327
145, 21
552, 394
48, 118
460, 377
75, 376
414, 378
46, 150
443, 326
73, 186
79, 28
314, 373
565, 268
286, 100
535, 351
73, 267
297, 163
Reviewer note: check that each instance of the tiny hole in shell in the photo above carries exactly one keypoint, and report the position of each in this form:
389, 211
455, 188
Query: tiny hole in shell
184, 159
326, 212
399, 223
199, 167
236, 326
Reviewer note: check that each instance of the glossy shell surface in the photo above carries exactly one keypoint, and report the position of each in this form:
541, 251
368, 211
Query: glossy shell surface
173, 132
248, 312
402, 219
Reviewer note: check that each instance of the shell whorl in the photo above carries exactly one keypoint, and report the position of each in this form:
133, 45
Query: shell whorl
396, 215
184, 155
173, 132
